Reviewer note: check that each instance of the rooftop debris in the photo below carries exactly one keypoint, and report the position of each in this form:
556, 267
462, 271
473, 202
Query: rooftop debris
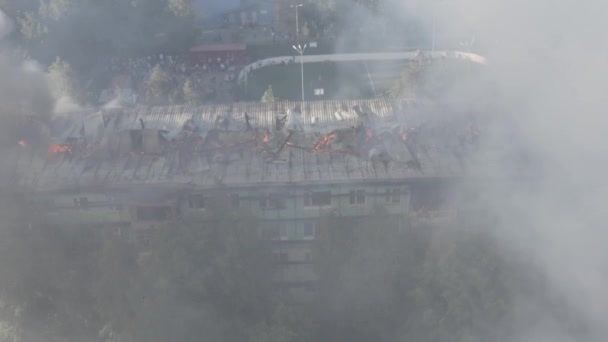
57, 148
163, 143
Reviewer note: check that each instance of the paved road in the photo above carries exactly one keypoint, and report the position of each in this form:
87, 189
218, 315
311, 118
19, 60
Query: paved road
355, 57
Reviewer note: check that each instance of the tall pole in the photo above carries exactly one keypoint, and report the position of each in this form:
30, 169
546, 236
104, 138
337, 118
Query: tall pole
302, 75
297, 22
297, 26
433, 42
300, 49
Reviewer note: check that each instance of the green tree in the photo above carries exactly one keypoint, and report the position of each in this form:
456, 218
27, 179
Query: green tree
115, 301
217, 264
279, 327
158, 87
268, 95
46, 281
411, 80
31, 28
54, 9
9, 332
181, 8
357, 264
373, 5
191, 95
305, 31
62, 78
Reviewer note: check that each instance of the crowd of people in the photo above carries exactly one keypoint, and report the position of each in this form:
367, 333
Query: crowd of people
213, 79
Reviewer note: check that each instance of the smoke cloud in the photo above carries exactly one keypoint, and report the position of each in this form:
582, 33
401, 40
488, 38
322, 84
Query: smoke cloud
6, 25
548, 59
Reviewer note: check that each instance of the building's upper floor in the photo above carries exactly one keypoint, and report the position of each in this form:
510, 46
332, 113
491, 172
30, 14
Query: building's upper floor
247, 145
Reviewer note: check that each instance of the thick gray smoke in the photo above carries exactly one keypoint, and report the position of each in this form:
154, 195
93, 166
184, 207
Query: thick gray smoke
6, 25
549, 60
24, 96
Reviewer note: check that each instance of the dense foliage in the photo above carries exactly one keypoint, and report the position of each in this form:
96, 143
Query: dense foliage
213, 280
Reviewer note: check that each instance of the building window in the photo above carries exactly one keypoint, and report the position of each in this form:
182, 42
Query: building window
317, 199
272, 201
357, 197
284, 232
196, 201
137, 140
281, 257
153, 213
309, 230
82, 202
393, 196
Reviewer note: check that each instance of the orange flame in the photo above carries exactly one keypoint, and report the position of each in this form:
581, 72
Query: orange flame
404, 136
369, 134
56, 148
266, 138
325, 141
22, 143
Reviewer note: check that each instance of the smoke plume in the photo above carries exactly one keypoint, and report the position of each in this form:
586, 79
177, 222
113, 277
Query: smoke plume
548, 59
6, 25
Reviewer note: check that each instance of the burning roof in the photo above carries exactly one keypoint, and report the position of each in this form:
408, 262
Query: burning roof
241, 145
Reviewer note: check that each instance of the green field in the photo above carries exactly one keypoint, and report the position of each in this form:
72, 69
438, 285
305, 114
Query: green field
348, 80
339, 80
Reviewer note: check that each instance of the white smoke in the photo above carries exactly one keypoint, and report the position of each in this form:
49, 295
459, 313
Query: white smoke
549, 60
6, 25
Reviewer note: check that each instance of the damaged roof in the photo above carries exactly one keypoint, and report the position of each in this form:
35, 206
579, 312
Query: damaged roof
246, 144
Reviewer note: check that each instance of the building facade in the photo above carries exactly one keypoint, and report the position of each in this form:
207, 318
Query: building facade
131, 171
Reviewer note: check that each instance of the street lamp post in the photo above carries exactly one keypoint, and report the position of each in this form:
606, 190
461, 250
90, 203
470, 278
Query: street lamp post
434, 8
433, 39
297, 23
300, 49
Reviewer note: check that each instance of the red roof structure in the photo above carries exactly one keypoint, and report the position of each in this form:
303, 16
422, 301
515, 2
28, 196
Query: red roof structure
219, 48
204, 53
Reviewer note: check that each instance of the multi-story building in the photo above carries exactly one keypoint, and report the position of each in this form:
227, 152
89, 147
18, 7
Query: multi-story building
131, 170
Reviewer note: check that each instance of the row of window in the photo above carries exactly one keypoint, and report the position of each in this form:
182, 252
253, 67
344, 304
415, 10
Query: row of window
284, 257
311, 199
277, 201
285, 230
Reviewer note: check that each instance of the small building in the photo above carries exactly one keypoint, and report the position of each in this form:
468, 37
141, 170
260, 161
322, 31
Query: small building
210, 53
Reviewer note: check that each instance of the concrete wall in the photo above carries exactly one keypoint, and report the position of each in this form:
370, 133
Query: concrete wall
81, 208
292, 224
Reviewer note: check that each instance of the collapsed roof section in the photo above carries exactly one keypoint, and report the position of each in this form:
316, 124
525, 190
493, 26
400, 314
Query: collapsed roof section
251, 145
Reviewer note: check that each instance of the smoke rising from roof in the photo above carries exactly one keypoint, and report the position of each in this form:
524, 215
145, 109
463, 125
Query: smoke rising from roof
549, 60
6, 25
24, 93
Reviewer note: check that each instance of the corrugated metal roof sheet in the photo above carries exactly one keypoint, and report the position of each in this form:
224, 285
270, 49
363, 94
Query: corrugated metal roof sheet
241, 159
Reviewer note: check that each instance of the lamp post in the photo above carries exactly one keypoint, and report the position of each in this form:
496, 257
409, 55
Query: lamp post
300, 49
297, 23
433, 39
435, 5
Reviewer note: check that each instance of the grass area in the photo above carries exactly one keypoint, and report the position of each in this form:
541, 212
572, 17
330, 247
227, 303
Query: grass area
339, 80
351, 79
